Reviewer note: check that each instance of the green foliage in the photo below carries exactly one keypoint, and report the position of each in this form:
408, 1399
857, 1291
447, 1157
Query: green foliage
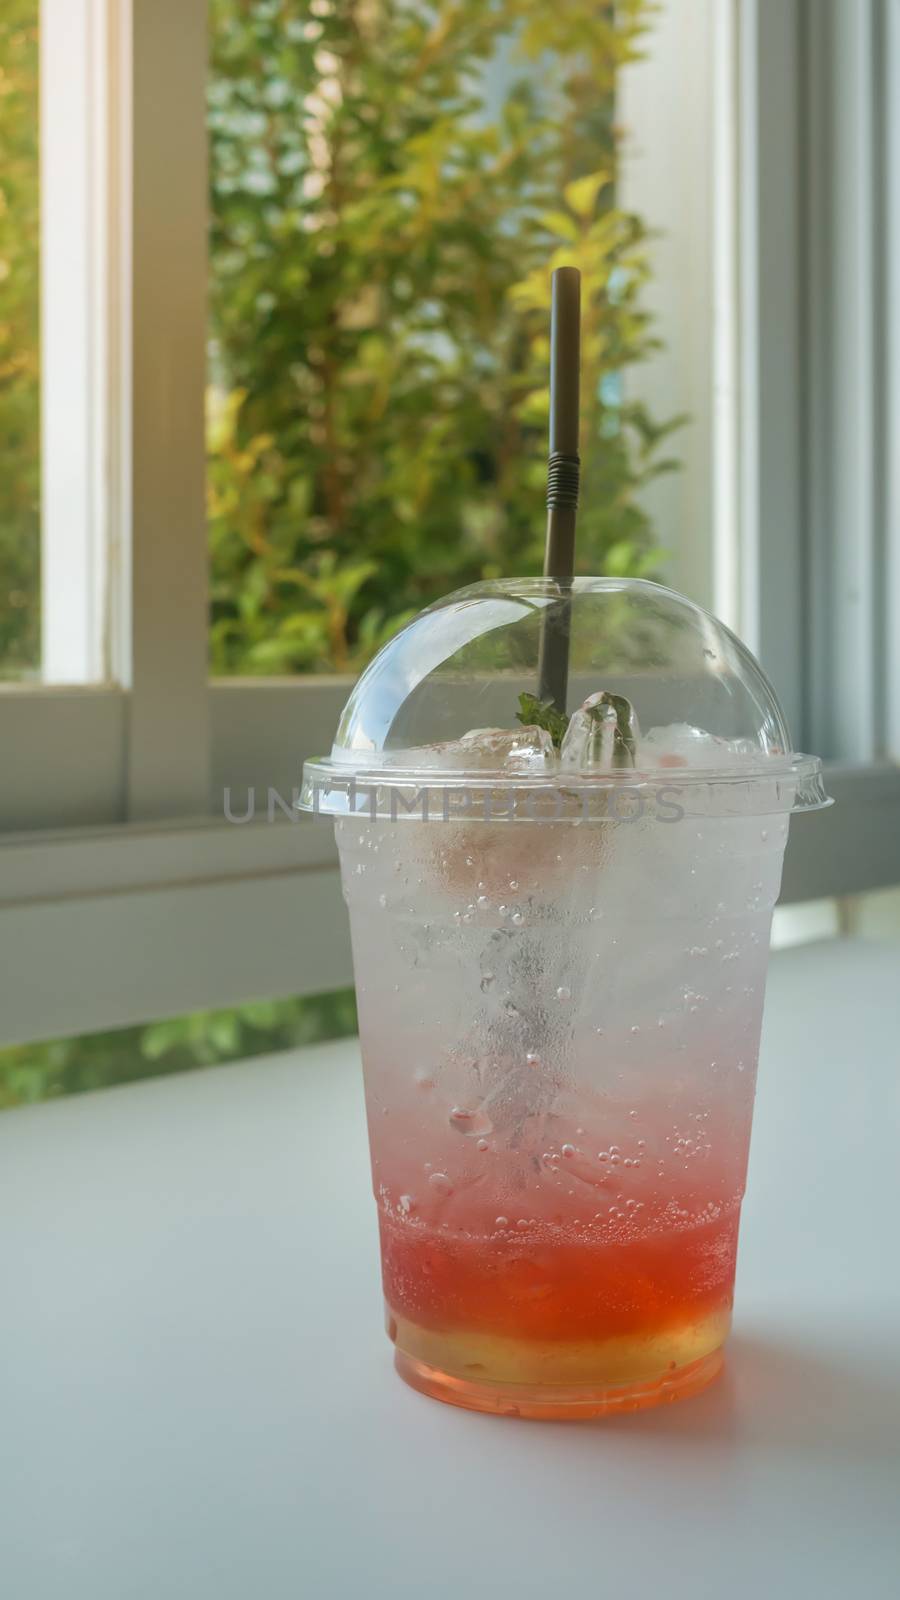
35, 1072
19, 347
391, 186
535, 713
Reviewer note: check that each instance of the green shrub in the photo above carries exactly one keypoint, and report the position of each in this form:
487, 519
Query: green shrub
391, 184
33, 1072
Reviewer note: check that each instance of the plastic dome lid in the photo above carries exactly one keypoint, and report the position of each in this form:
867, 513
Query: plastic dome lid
658, 691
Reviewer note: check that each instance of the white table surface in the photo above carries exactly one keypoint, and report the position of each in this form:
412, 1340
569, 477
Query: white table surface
198, 1399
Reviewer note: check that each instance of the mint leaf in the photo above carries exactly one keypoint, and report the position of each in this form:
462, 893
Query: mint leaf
535, 713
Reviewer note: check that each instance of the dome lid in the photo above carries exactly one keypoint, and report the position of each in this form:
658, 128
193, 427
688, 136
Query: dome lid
658, 691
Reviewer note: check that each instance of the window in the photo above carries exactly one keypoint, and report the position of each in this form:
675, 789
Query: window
373, 228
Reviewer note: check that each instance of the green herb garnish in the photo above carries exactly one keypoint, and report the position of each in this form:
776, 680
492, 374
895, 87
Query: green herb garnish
535, 713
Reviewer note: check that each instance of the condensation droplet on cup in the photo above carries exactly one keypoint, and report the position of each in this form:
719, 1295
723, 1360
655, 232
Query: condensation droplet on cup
563, 993
422, 1078
532, 1059
501, 1222
568, 1151
406, 1204
382, 899
487, 982
517, 919
440, 1183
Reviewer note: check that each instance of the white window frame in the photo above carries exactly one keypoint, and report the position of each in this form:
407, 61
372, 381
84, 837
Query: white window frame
78, 265
792, 517
125, 894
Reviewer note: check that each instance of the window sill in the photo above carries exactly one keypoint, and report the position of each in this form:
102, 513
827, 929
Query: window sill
104, 927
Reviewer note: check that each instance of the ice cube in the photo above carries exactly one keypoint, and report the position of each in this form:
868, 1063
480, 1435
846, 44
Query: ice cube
602, 734
424, 757
526, 749
484, 750
588, 740
679, 744
500, 750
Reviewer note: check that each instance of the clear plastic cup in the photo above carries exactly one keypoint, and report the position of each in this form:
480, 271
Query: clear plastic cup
560, 962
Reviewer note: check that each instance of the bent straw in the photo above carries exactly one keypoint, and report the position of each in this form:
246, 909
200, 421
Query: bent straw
563, 472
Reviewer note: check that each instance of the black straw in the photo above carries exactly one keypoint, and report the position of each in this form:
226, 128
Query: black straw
562, 482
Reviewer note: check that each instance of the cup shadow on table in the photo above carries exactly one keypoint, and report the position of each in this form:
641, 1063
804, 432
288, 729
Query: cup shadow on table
777, 1394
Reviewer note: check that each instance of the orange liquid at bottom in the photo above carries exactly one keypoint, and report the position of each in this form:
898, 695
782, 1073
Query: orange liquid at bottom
545, 1322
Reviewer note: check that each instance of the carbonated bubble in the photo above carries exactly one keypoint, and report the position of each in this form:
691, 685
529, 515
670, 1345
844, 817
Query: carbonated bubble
470, 1120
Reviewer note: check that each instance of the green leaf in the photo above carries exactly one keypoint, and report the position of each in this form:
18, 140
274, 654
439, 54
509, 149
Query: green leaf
535, 713
560, 224
581, 194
